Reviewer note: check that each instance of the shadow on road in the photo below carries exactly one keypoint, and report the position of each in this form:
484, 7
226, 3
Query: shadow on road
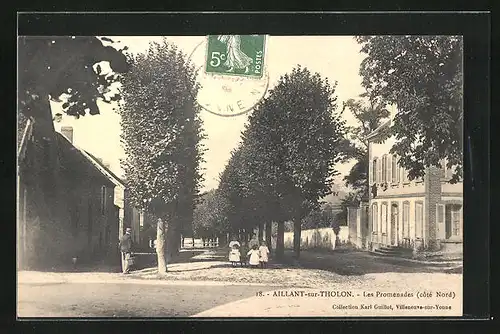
141, 261
342, 262
355, 263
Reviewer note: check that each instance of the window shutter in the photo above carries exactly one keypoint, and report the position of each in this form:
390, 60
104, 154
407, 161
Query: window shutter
440, 221
405, 175
384, 217
418, 220
389, 169
406, 219
374, 171
396, 167
379, 170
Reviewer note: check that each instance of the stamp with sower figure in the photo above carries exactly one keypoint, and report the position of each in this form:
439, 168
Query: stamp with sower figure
233, 76
241, 55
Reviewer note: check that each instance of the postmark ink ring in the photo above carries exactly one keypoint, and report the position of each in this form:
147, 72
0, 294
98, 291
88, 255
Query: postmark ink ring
231, 72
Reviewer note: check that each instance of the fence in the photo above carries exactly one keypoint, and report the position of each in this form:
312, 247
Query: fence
199, 243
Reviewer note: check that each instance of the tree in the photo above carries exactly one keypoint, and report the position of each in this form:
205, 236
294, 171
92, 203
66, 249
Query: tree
423, 76
369, 117
161, 136
295, 137
234, 188
69, 69
209, 217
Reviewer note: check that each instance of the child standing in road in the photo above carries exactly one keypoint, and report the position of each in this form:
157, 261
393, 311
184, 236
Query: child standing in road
234, 255
263, 254
254, 256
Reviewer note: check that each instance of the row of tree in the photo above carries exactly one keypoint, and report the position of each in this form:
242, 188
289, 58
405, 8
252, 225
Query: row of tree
285, 162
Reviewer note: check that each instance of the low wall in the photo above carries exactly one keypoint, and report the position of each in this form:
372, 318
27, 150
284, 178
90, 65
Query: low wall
318, 238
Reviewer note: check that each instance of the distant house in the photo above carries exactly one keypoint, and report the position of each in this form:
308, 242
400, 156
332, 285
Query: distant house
422, 214
65, 204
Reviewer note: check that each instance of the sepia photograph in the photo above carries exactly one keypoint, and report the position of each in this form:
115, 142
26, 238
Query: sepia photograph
225, 176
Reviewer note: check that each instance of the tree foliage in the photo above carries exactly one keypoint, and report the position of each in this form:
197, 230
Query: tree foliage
161, 134
423, 76
369, 115
68, 68
319, 218
209, 215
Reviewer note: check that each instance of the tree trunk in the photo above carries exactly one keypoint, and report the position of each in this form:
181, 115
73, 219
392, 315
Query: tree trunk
160, 247
269, 228
261, 233
280, 240
296, 236
222, 240
171, 247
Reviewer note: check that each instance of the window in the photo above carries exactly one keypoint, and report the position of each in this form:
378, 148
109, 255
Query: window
374, 171
443, 169
419, 216
375, 226
103, 199
406, 219
395, 170
455, 222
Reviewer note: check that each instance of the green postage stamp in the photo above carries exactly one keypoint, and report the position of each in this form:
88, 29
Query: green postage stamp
241, 55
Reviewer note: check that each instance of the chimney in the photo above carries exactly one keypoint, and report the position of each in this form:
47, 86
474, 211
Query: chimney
106, 164
67, 131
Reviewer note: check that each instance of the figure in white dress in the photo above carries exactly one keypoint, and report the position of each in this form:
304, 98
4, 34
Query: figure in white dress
235, 58
234, 255
263, 254
253, 254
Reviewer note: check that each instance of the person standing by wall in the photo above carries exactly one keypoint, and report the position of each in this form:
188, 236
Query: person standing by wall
263, 254
126, 249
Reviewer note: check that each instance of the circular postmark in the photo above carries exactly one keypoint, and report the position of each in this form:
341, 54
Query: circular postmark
232, 82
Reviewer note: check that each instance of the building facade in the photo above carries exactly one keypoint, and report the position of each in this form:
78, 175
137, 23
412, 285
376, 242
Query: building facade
420, 214
65, 204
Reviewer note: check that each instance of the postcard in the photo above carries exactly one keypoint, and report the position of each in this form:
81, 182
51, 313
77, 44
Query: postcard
240, 176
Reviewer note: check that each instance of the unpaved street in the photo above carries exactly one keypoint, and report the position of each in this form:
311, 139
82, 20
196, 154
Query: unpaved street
125, 300
208, 286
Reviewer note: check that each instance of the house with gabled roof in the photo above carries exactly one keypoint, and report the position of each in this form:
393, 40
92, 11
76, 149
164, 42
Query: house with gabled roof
66, 203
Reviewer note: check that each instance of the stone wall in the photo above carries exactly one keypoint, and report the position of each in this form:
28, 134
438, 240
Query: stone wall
322, 238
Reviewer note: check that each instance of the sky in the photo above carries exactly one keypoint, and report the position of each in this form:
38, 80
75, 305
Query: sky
335, 57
